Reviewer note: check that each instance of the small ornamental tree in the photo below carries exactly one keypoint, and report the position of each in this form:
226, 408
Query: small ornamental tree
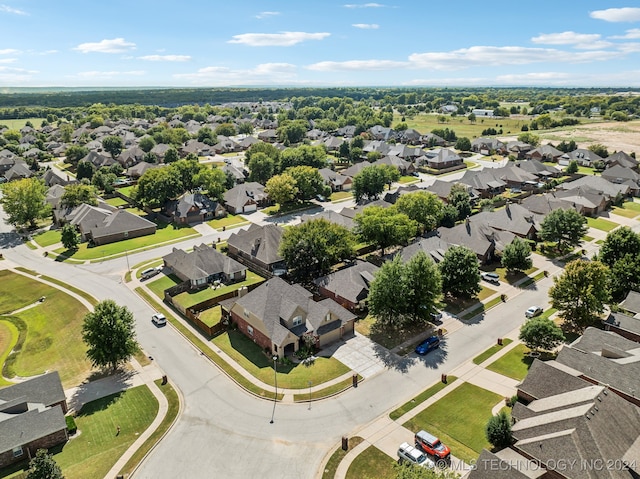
498, 430
541, 333
43, 466
517, 255
70, 237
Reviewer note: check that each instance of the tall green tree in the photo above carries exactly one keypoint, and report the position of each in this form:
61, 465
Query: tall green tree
308, 181
565, 227
463, 143
44, 466
311, 248
112, 145
109, 332
541, 333
211, 180
23, 202
261, 168
281, 188
146, 143
85, 169
171, 155
158, 185
619, 243
70, 237
517, 256
384, 227
580, 293
304, 155
498, 430
459, 198
74, 153
225, 129
460, 272
423, 207
423, 284
625, 276
369, 183
386, 300
262, 147
77, 194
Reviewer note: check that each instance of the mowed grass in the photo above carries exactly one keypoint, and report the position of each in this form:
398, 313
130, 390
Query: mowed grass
19, 291
18, 123
229, 221
164, 282
459, 420
336, 458
97, 447
8, 339
372, 462
385, 336
515, 364
601, 224
188, 299
482, 357
116, 201
211, 316
294, 376
48, 238
420, 398
164, 233
426, 122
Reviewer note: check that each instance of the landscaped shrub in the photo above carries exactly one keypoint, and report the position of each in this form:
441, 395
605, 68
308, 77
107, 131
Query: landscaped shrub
71, 424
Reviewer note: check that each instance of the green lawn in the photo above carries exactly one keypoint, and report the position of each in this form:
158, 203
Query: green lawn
387, 337
326, 392
372, 462
288, 208
340, 196
508, 277
459, 420
19, 291
482, 307
164, 233
627, 213
211, 316
18, 123
97, 447
587, 238
8, 339
408, 179
481, 358
164, 282
425, 122
126, 190
336, 458
632, 205
48, 238
229, 221
601, 224
295, 376
515, 364
420, 398
116, 201
188, 299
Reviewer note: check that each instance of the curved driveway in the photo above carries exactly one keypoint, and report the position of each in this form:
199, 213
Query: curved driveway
224, 431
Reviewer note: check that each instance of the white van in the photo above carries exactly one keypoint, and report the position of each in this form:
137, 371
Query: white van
148, 273
409, 453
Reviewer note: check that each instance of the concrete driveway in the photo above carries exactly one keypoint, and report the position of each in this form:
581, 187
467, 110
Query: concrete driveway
359, 354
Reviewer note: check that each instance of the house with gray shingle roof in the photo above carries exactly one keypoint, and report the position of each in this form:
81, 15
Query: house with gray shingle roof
332, 217
18, 171
622, 159
544, 153
337, 181
245, 197
356, 168
31, 417
632, 302
439, 158
479, 237
623, 324
193, 208
348, 286
101, 226
404, 167
434, 246
236, 173
258, 246
597, 184
278, 316
204, 265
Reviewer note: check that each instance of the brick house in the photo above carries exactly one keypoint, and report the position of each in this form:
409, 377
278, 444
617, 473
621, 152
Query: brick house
348, 287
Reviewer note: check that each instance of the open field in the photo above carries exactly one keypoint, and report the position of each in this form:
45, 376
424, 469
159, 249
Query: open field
425, 123
17, 123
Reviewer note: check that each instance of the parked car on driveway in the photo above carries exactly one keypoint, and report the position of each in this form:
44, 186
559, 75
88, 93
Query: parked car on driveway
428, 345
148, 273
432, 445
490, 277
533, 311
413, 455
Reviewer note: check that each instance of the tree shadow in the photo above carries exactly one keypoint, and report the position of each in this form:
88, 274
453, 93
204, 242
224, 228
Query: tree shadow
391, 360
10, 240
102, 389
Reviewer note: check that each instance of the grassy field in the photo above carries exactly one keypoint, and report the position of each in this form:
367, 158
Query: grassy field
19, 291
126, 190
337, 457
338, 196
372, 462
426, 122
515, 364
116, 201
482, 357
164, 233
420, 398
229, 221
459, 420
408, 179
8, 339
482, 308
601, 224
47, 238
17, 123
295, 376
509, 278
188, 298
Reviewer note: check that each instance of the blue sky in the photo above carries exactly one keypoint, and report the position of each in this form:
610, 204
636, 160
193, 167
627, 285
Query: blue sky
212, 43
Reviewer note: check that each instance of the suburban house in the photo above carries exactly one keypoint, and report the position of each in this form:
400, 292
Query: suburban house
18, 171
544, 153
98, 160
236, 173
485, 146
268, 136
547, 202
484, 182
583, 156
623, 176
479, 237
439, 159
258, 246
276, 316
349, 286
245, 197
623, 325
356, 168
512, 218
332, 217
193, 208
584, 200
101, 226
52, 177
204, 265
434, 246
631, 303
622, 159
597, 184
539, 169
336, 181
31, 417
404, 167
139, 169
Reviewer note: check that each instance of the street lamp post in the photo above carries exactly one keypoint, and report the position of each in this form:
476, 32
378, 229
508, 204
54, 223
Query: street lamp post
310, 395
275, 397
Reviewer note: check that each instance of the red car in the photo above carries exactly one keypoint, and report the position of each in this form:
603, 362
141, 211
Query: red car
432, 445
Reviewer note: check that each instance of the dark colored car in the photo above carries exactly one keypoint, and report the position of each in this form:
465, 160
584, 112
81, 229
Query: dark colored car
428, 345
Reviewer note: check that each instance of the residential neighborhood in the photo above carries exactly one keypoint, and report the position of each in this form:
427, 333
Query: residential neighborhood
389, 278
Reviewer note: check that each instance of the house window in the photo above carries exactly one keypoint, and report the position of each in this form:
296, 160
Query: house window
297, 321
17, 451
249, 330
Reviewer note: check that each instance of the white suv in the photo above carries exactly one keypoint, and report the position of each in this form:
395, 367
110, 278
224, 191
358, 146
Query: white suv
158, 319
409, 453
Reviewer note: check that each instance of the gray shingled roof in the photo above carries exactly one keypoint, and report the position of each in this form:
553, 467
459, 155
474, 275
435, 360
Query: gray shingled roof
182, 206
477, 236
241, 194
548, 378
506, 464
351, 283
332, 217
597, 183
433, 245
261, 242
624, 322
202, 262
632, 302
45, 389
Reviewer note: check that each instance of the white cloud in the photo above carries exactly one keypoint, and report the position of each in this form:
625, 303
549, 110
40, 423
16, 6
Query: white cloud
626, 14
166, 58
116, 45
447, 81
366, 26
283, 39
357, 65
109, 74
632, 34
535, 77
7, 9
565, 38
262, 15
8, 60
363, 5
263, 73
495, 56
9, 51
630, 47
